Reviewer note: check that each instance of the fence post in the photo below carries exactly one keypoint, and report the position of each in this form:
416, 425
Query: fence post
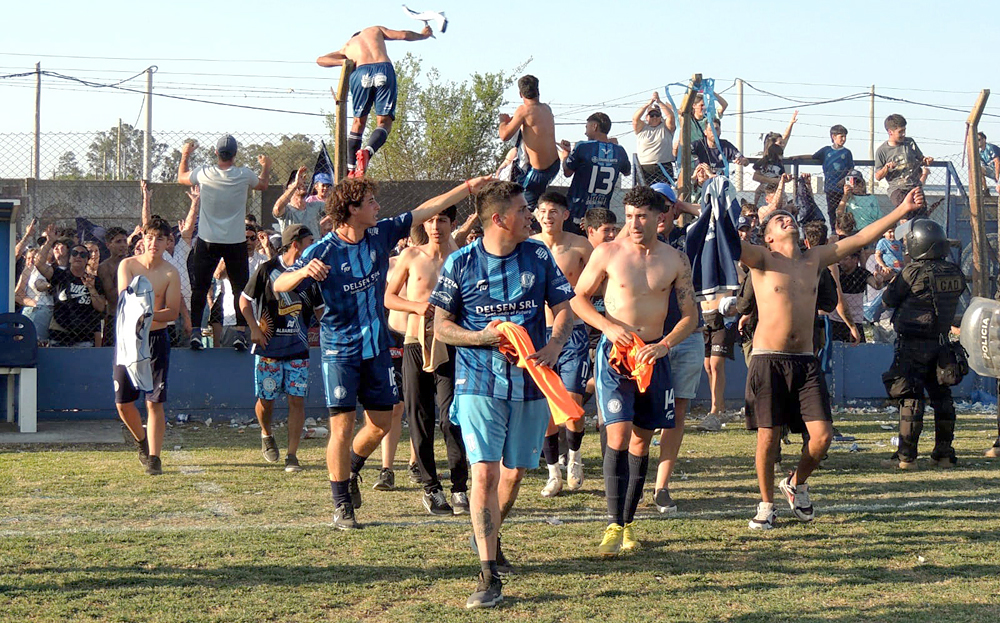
980, 270
147, 139
37, 153
739, 131
684, 179
340, 129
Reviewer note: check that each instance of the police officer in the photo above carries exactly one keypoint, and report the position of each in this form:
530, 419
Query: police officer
925, 297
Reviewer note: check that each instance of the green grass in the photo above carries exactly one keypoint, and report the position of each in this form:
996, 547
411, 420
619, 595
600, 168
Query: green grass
222, 536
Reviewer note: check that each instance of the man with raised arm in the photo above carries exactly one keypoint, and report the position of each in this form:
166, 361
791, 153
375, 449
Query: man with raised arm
538, 131
502, 277
350, 265
641, 272
785, 385
373, 82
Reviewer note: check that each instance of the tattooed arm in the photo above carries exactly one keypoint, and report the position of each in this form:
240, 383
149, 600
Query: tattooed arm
448, 332
689, 315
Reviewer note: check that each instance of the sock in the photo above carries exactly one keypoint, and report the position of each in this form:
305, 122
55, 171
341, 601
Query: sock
615, 483
341, 494
357, 462
764, 509
489, 568
376, 139
563, 443
353, 145
554, 471
550, 449
637, 466
604, 441
575, 440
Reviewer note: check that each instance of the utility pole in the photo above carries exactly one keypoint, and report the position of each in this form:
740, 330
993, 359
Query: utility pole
340, 129
118, 152
37, 151
980, 265
739, 131
871, 135
684, 180
147, 138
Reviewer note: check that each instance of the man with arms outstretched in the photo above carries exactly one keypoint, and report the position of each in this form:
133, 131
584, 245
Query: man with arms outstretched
641, 272
784, 382
503, 276
350, 265
538, 131
373, 81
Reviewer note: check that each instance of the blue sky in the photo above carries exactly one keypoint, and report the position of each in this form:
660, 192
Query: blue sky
588, 56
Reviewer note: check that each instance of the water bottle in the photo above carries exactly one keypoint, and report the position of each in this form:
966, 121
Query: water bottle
894, 441
980, 336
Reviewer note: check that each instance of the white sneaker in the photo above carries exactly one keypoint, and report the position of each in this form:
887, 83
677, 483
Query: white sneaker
574, 472
710, 423
798, 499
764, 519
553, 487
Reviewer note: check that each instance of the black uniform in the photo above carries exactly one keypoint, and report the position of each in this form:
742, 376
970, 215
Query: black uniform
925, 296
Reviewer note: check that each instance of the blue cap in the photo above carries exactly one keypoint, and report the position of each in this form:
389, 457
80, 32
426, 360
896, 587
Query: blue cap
323, 178
226, 147
743, 222
664, 189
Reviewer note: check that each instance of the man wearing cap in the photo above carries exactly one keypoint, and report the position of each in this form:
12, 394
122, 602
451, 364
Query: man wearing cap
654, 140
295, 205
224, 188
278, 325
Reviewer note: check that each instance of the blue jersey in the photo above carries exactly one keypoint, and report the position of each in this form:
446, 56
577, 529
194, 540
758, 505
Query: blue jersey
477, 288
987, 155
595, 166
836, 165
353, 323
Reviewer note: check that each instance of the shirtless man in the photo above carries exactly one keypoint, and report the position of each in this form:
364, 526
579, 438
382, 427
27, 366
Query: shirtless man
571, 253
409, 290
166, 306
641, 272
784, 382
538, 131
373, 81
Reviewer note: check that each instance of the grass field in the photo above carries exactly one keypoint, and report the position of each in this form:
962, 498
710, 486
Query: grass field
222, 536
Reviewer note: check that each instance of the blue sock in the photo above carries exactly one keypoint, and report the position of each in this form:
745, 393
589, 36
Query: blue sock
357, 462
353, 145
376, 139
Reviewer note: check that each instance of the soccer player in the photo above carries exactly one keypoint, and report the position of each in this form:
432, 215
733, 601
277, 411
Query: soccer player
350, 264
373, 81
166, 306
641, 272
278, 325
785, 385
501, 277
537, 126
416, 272
594, 165
570, 253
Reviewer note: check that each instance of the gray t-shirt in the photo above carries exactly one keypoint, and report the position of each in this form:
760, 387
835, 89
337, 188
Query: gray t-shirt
908, 159
223, 202
308, 216
654, 144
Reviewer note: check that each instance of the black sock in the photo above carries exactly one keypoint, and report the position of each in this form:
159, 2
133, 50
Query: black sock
341, 494
615, 483
353, 145
357, 462
637, 466
575, 440
489, 568
604, 440
550, 449
376, 139
563, 443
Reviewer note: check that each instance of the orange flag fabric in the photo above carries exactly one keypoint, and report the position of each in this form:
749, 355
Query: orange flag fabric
515, 343
625, 362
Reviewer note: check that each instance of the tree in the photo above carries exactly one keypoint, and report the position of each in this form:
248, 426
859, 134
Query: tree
67, 168
171, 163
117, 153
288, 155
444, 130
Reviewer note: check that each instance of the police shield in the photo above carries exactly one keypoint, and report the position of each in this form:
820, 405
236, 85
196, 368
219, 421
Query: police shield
981, 336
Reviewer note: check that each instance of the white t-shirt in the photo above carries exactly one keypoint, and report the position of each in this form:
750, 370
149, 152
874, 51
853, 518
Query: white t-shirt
223, 202
309, 216
255, 260
179, 261
654, 145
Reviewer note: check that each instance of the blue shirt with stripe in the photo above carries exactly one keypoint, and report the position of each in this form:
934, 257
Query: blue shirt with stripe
477, 288
353, 324
595, 166
837, 163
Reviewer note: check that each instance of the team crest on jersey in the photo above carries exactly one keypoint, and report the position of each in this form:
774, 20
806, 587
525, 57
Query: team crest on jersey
542, 254
345, 267
527, 280
614, 406
339, 392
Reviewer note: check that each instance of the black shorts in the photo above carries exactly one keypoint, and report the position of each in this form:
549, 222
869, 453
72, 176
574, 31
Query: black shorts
786, 390
159, 351
719, 338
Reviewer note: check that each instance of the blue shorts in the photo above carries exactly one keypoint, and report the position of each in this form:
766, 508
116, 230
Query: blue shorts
574, 360
686, 363
619, 397
273, 377
496, 429
535, 181
372, 382
374, 83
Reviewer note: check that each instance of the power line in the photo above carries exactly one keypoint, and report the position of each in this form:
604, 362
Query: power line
185, 60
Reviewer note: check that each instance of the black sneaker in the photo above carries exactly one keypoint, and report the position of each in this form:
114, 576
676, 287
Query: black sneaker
460, 503
414, 473
270, 449
240, 344
355, 490
197, 342
386, 480
664, 503
488, 594
141, 446
292, 464
436, 504
154, 467
343, 517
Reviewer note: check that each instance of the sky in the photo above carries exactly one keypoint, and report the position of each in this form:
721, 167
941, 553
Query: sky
588, 56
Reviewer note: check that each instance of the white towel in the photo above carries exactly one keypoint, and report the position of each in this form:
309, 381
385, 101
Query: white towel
132, 322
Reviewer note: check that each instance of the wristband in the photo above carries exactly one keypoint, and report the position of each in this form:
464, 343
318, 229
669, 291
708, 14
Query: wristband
468, 187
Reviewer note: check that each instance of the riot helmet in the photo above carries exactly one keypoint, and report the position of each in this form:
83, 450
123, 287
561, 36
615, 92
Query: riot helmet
926, 240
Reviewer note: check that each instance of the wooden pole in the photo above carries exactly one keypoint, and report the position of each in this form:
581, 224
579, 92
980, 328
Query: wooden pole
739, 131
980, 272
147, 136
684, 191
871, 136
36, 152
340, 127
